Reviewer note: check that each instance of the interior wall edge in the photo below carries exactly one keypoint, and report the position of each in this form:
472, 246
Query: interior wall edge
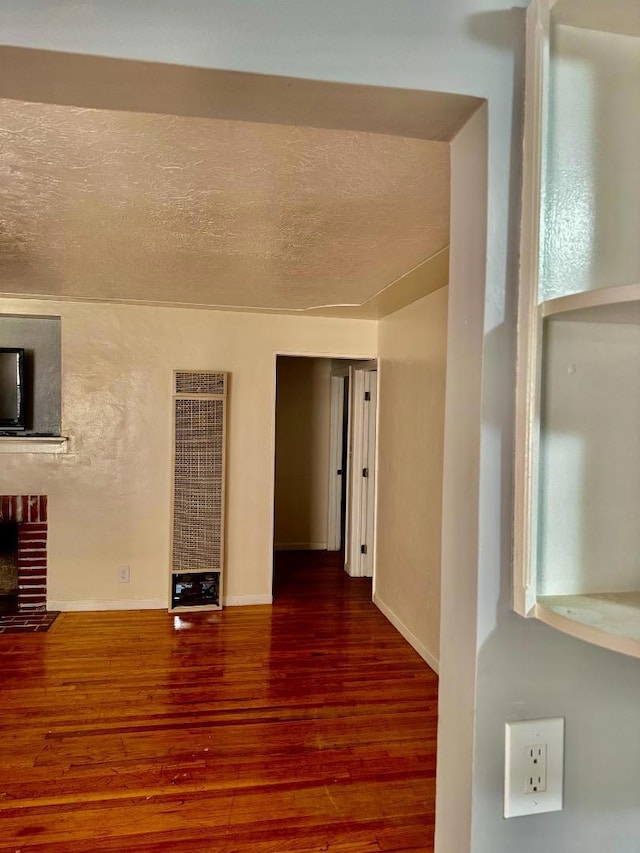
427, 656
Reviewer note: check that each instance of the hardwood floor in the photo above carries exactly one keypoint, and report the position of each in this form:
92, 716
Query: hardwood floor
306, 726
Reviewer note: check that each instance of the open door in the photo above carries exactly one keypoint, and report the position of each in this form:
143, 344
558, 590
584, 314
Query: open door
337, 464
361, 483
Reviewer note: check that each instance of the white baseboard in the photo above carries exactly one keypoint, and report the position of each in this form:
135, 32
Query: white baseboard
409, 636
300, 546
110, 604
243, 600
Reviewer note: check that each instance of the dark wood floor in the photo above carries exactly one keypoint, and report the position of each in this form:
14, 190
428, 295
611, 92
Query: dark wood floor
309, 726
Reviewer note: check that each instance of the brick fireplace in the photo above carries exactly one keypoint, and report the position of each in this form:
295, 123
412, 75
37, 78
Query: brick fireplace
29, 512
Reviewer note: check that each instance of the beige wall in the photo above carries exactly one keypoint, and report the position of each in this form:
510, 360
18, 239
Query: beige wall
412, 363
109, 496
302, 452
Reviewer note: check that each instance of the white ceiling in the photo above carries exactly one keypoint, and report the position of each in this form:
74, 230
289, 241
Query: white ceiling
198, 209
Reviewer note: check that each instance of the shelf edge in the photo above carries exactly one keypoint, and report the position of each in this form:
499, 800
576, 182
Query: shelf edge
590, 299
595, 636
35, 444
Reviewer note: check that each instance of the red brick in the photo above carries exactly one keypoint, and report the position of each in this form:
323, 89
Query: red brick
27, 536
33, 588
32, 545
39, 572
33, 549
5, 508
40, 555
43, 507
33, 526
24, 508
32, 580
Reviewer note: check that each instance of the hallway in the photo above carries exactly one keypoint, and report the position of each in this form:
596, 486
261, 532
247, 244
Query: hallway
306, 726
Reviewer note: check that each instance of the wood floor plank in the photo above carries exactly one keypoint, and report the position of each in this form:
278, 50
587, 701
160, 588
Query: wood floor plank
306, 726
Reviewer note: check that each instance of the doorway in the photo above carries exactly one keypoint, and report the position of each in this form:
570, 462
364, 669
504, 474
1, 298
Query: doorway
325, 458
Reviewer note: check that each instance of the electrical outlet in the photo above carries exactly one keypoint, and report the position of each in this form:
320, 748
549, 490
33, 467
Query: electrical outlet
535, 780
534, 766
124, 574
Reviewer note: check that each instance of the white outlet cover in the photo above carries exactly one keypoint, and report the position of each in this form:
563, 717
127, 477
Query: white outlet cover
519, 736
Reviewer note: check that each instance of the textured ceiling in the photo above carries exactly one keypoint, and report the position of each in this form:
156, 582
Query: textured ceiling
113, 205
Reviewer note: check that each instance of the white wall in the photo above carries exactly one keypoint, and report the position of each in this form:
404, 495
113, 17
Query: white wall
109, 497
592, 207
524, 669
589, 487
461, 486
303, 410
412, 350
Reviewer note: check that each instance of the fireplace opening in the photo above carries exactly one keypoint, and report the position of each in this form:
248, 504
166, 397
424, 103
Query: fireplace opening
24, 517
8, 568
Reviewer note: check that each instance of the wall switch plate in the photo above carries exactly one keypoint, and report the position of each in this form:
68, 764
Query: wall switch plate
124, 574
533, 766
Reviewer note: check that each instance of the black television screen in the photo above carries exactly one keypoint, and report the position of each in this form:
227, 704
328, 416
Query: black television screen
11, 389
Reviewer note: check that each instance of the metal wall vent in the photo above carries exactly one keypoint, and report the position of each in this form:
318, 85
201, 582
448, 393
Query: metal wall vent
197, 540
200, 382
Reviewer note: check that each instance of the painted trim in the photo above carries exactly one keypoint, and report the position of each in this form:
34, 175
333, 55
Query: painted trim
529, 323
34, 444
429, 658
461, 563
109, 604
245, 600
300, 546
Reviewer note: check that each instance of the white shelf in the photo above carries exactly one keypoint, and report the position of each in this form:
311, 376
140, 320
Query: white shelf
608, 305
608, 619
577, 459
34, 444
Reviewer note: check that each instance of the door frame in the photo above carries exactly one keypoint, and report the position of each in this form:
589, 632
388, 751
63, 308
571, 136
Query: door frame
364, 359
336, 471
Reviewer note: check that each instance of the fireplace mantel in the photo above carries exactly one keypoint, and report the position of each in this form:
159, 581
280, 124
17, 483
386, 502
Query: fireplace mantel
34, 444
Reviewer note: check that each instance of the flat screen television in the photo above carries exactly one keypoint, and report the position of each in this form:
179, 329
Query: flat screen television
12, 398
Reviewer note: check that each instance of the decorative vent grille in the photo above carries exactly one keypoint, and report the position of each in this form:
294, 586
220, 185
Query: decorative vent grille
198, 473
202, 382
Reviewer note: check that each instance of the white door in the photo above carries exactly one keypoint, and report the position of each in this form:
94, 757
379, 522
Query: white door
361, 506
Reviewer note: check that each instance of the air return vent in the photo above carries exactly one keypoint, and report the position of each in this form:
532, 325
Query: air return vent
201, 382
197, 540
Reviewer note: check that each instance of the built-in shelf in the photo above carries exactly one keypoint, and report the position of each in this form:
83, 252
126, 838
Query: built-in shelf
608, 619
608, 305
577, 463
34, 444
